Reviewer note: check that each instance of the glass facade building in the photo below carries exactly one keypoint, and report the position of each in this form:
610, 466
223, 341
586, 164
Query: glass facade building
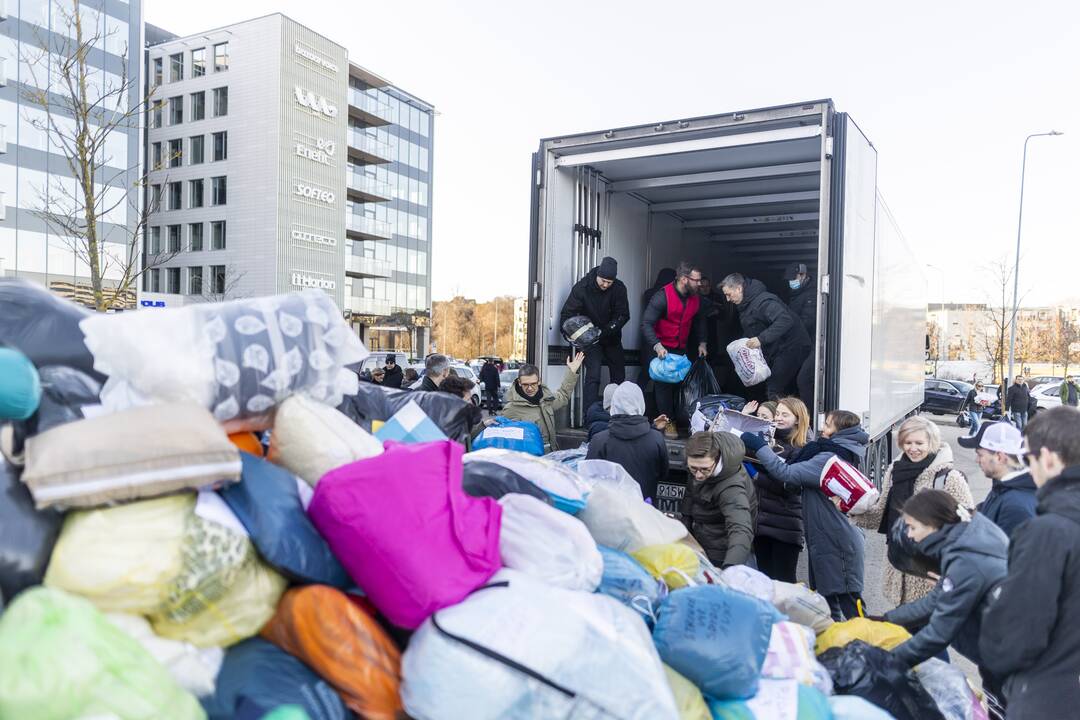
34, 36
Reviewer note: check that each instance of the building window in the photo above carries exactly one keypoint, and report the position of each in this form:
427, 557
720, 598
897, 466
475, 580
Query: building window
155, 240
156, 154
217, 235
176, 110
174, 281
195, 193
176, 195
176, 67
157, 77
176, 153
174, 238
155, 198
221, 57
217, 279
221, 101
155, 281
197, 154
218, 190
198, 62
157, 114
221, 146
198, 106
195, 281
195, 233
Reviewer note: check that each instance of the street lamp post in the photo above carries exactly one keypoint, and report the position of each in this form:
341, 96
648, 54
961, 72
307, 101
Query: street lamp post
1016, 266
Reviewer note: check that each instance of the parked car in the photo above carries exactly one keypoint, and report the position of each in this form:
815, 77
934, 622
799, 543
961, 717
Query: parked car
944, 397
1047, 395
506, 379
1034, 382
462, 370
378, 359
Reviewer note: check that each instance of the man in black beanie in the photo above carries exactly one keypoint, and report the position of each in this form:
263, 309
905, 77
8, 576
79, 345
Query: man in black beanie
601, 297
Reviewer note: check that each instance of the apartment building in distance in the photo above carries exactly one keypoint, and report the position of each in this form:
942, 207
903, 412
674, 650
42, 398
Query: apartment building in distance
279, 165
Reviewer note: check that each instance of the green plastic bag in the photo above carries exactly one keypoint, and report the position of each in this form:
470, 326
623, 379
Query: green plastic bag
60, 659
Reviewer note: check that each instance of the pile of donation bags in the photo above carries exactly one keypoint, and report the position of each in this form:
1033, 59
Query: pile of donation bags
162, 556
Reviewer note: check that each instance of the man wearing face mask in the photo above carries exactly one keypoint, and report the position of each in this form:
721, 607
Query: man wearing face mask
803, 303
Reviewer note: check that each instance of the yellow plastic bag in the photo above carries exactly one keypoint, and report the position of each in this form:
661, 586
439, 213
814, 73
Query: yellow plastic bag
123, 558
688, 698
675, 564
880, 634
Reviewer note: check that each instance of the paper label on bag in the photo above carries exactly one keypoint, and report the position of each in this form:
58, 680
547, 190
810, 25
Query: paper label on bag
775, 699
506, 433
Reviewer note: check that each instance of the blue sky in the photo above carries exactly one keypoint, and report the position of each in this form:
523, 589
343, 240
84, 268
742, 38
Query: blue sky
946, 91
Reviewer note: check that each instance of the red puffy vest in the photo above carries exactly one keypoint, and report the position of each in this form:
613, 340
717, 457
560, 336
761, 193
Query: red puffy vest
673, 329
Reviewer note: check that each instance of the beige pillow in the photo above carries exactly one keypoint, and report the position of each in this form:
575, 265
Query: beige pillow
143, 452
311, 439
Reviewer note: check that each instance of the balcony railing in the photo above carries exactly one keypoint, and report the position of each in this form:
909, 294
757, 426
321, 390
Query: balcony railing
367, 267
367, 186
369, 148
369, 306
370, 106
369, 226
3, 139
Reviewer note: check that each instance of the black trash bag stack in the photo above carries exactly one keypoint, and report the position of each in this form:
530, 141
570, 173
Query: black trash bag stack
904, 554
64, 392
580, 332
488, 479
699, 383
878, 676
27, 535
373, 402
43, 326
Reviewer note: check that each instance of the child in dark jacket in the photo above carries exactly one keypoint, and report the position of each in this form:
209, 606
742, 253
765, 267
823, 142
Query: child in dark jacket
720, 505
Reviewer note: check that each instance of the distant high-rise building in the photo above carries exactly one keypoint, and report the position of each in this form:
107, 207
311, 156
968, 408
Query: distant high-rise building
521, 328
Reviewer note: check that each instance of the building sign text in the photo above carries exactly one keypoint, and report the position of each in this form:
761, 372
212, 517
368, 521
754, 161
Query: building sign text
316, 102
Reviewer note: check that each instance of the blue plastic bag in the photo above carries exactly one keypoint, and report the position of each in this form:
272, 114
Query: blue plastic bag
511, 435
716, 638
628, 582
267, 503
257, 676
671, 369
20, 386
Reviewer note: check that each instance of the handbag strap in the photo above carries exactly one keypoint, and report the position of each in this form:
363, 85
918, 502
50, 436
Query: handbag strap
940, 477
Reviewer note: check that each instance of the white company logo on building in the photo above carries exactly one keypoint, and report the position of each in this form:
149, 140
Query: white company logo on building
316, 102
314, 238
309, 54
301, 280
313, 193
321, 151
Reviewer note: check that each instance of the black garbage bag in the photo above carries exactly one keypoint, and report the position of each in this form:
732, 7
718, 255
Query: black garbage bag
43, 326
374, 402
488, 479
580, 332
711, 405
878, 676
699, 383
904, 554
64, 392
259, 676
27, 535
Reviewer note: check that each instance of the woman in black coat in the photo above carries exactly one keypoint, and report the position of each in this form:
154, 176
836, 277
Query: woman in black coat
779, 537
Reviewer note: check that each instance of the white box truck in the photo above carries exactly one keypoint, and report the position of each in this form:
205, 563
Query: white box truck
745, 192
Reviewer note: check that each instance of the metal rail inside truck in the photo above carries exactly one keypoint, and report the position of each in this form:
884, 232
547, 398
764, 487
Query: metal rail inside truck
743, 192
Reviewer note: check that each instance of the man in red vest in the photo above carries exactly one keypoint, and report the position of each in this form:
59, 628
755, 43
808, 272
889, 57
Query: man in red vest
666, 325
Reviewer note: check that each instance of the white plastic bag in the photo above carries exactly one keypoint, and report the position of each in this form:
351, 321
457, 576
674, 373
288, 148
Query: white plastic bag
748, 580
562, 484
527, 649
949, 687
617, 516
194, 669
749, 363
548, 545
791, 656
802, 605
311, 439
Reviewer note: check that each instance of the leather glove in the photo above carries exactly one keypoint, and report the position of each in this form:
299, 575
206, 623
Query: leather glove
753, 442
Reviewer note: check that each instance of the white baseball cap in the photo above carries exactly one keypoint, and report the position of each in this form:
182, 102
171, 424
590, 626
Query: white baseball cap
996, 437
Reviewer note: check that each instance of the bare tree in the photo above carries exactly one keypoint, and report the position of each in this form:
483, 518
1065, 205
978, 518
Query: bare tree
229, 285
1065, 340
995, 341
933, 333
85, 112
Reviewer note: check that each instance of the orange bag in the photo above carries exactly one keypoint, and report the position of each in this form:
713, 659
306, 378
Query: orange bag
248, 442
322, 627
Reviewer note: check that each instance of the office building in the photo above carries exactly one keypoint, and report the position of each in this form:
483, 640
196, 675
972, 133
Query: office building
35, 35
278, 165
521, 328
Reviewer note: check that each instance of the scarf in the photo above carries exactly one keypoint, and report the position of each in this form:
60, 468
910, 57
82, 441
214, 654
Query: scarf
822, 445
535, 399
904, 474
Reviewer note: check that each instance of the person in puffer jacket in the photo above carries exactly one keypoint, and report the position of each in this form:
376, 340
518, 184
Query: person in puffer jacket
632, 441
598, 415
972, 554
720, 505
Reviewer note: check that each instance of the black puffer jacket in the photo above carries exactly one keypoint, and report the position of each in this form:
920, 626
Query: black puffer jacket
393, 377
721, 510
632, 442
766, 317
779, 505
608, 309
803, 303
1029, 633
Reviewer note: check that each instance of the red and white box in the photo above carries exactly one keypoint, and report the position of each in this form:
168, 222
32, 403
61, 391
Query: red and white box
843, 480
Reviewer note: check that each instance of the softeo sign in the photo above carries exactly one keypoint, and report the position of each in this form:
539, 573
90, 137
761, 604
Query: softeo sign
315, 102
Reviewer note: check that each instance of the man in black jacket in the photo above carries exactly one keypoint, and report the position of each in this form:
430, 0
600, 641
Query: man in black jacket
601, 297
1030, 633
1016, 400
489, 377
803, 302
393, 375
1011, 500
436, 369
770, 325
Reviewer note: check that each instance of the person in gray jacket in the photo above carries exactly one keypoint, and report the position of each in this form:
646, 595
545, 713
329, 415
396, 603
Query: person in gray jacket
834, 546
971, 553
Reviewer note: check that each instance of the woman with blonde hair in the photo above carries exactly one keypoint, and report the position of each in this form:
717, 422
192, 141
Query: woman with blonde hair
926, 464
779, 536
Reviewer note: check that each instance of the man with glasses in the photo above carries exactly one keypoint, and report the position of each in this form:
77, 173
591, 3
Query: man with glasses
720, 504
670, 315
771, 326
1030, 634
529, 401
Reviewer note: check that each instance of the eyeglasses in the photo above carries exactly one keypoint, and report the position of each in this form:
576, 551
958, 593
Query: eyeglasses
702, 472
693, 279
527, 386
